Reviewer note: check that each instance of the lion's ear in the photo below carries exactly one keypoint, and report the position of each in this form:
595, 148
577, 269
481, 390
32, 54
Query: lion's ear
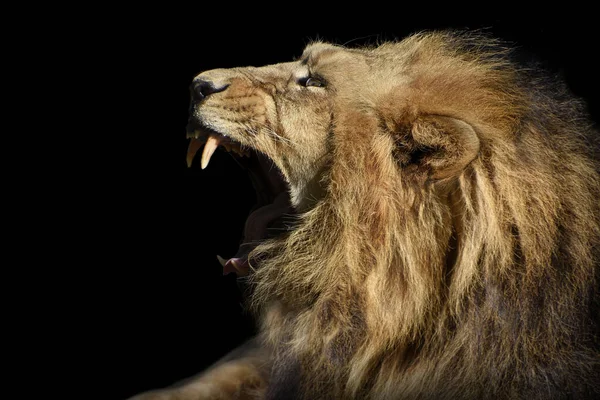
438, 145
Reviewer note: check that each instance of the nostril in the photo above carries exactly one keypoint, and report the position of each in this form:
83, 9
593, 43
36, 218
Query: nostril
201, 89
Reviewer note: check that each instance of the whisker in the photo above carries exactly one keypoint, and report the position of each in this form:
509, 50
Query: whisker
278, 137
271, 133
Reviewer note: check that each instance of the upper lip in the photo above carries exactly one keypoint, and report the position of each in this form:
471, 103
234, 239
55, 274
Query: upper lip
194, 128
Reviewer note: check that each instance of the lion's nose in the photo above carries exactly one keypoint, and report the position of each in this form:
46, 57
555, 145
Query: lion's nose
202, 88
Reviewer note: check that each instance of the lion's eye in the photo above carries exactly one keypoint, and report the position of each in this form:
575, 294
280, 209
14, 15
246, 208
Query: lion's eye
314, 82
311, 81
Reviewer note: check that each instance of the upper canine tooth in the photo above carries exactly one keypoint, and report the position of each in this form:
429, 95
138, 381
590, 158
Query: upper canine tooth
209, 148
193, 148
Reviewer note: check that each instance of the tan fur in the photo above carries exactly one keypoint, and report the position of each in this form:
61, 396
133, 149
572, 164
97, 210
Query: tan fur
448, 234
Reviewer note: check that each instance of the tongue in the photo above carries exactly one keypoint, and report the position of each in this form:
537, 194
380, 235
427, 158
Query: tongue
237, 265
258, 225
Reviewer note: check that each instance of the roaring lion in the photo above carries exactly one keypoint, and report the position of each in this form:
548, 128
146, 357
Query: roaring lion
428, 225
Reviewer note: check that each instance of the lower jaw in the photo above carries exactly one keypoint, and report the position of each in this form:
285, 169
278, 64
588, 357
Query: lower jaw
263, 223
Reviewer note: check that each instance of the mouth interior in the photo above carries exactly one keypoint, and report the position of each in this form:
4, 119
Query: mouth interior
272, 212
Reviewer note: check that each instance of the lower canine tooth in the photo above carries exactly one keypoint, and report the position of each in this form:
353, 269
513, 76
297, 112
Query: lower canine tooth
222, 261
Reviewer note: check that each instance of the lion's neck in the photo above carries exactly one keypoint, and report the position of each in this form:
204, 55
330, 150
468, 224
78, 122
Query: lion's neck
305, 193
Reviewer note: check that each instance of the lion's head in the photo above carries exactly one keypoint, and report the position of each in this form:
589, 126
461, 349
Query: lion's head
445, 225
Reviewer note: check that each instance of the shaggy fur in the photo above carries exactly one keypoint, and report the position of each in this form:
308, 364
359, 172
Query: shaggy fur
447, 241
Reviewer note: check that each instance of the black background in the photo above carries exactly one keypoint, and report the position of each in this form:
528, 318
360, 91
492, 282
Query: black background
167, 311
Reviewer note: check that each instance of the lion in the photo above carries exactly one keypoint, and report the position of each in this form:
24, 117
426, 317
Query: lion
428, 225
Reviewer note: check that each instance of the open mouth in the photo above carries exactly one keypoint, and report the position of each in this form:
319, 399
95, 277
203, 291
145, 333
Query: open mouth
272, 214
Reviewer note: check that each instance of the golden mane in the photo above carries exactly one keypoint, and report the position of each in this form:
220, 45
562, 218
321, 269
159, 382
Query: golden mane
489, 275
